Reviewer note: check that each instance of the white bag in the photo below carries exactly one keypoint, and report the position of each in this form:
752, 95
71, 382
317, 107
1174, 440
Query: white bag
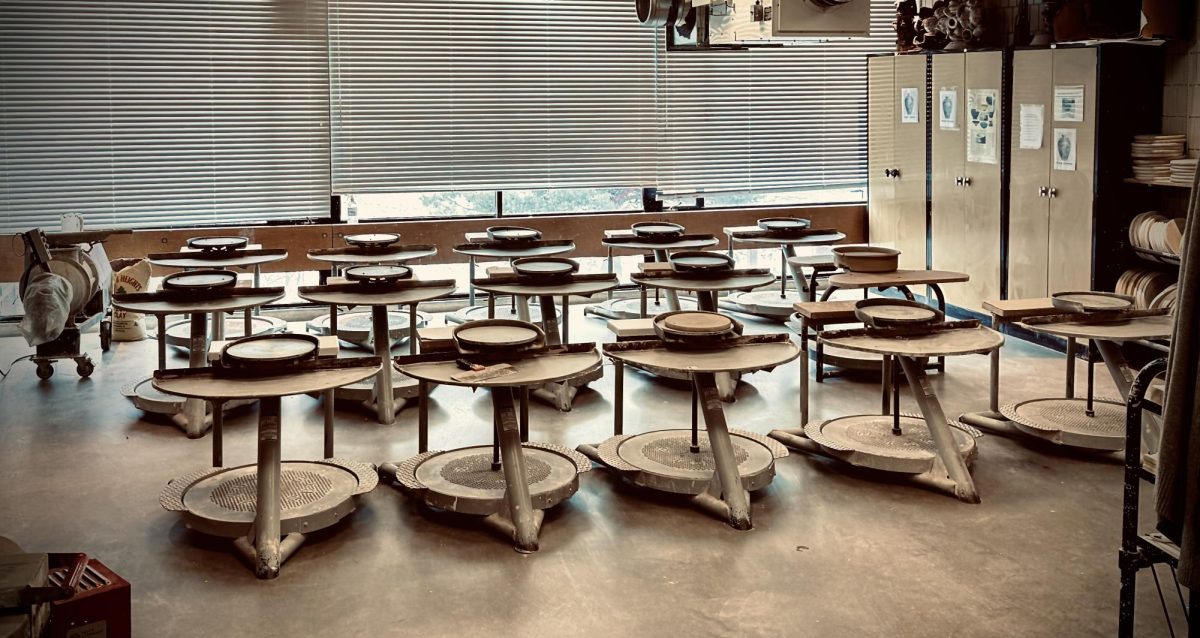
131, 275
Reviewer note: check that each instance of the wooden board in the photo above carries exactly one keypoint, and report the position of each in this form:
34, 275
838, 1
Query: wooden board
1012, 309
1130, 330
629, 328
945, 343
213, 387
371, 298
740, 359
533, 371
222, 304
816, 258
706, 285
895, 278
826, 311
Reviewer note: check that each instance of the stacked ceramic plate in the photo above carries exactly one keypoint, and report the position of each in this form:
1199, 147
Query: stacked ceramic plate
1167, 298
1153, 231
1143, 285
1183, 171
1153, 154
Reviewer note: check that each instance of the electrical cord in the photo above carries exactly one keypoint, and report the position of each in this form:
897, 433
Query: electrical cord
4, 373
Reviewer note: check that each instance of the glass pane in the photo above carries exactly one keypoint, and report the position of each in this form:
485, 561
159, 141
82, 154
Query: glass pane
829, 195
571, 200
375, 206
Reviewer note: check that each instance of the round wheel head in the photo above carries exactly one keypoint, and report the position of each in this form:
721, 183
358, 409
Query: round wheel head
701, 261
784, 224
269, 351
886, 313
497, 335
513, 233
372, 240
544, 268
217, 244
657, 229
200, 280
696, 329
378, 274
1090, 301
866, 258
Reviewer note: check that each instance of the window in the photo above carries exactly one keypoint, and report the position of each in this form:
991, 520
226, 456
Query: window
571, 200
429, 95
162, 113
376, 206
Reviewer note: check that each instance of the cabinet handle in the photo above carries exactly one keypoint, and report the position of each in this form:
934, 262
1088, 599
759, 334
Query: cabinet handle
1043, 191
1053, 192
966, 181
895, 173
887, 172
958, 181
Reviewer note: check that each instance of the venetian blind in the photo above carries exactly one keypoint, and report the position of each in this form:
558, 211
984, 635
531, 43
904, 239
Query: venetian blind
491, 94
162, 113
769, 118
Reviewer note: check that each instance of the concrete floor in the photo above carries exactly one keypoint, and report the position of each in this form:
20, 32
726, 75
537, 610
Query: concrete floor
834, 552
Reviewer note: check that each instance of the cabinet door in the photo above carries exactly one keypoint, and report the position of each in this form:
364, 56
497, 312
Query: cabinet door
881, 210
908, 156
979, 248
1070, 257
1029, 172
948, 156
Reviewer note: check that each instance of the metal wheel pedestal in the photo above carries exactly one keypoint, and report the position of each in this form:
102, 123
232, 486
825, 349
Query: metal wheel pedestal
509, 490
718, 467
269, 507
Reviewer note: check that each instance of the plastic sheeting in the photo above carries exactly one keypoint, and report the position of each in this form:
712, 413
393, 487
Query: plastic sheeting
47, 304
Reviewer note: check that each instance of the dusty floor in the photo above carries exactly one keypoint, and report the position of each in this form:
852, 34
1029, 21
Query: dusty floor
834, 552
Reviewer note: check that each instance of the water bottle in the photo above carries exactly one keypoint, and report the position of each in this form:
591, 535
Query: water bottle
352, 211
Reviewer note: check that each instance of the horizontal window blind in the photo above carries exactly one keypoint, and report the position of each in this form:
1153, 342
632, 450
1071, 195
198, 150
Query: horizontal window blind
769, 118
163, 113
491, 94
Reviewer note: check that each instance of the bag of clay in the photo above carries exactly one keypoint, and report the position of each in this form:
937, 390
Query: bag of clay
47, 304
129, 275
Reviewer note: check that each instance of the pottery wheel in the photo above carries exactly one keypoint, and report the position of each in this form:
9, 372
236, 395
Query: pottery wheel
898, 313
868, 441
663, 459
766, 303
1091, 302
1065, 421
463, 481
355, 327
148, 398
313, 495
503, 311
282, 348
179, 333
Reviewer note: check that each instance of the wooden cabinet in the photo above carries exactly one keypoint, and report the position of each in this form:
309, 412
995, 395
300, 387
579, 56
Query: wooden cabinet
896, 155
968, 189
1066, 227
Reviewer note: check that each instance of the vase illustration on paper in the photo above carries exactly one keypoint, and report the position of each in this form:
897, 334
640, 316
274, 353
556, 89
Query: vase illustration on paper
1064, 148
947, 107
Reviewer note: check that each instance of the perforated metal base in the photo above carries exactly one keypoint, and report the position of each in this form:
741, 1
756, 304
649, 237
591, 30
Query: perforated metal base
868, 441
179, 333
764, 303
503, 311
355, 327
663, 459
463, 481
147, 398
313, 495
1065, 421
630, 308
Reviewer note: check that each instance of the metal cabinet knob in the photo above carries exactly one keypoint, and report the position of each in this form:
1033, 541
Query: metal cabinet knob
895, 173
958, 181
1043, 191
1053, 192
966, 181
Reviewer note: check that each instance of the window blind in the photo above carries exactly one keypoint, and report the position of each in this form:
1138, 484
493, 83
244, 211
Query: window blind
162, 113
769, 118
491, 94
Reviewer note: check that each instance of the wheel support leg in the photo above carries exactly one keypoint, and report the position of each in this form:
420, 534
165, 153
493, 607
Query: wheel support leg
725, 497
951, 465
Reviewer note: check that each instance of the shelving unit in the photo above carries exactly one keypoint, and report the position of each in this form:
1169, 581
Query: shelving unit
1142, 550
